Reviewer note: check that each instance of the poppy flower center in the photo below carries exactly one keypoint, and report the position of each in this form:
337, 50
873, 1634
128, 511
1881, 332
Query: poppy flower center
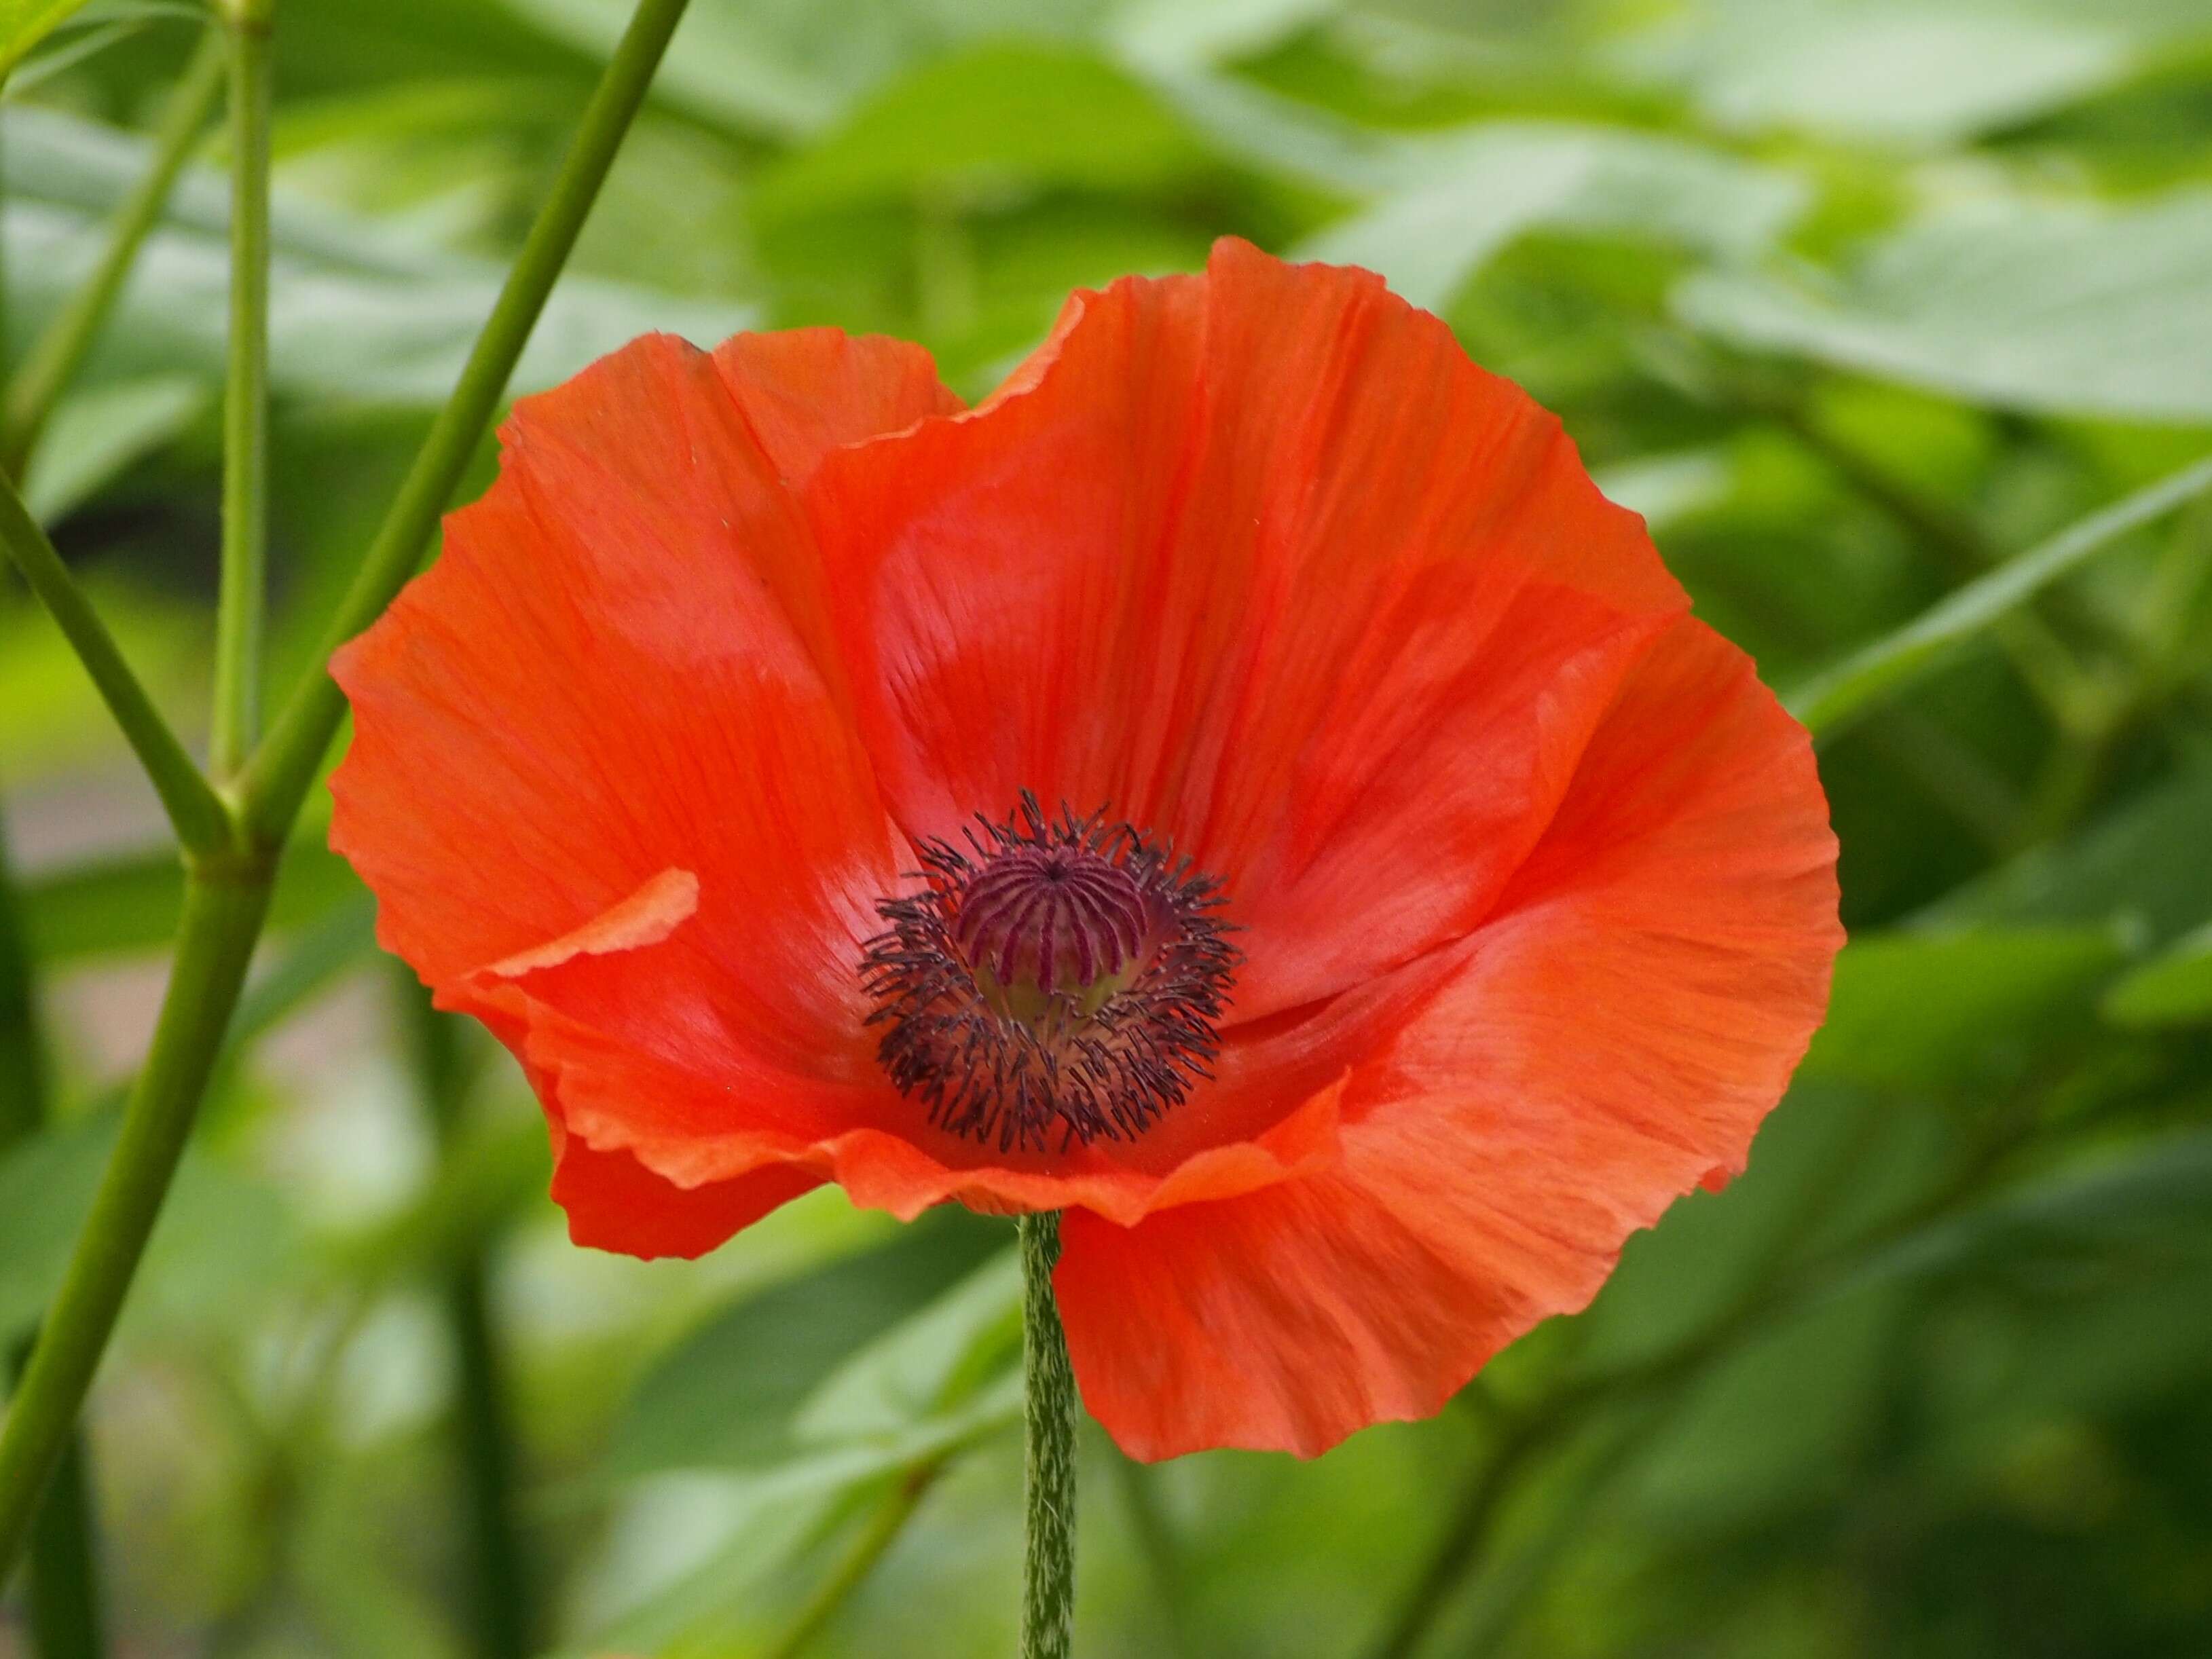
1054, 975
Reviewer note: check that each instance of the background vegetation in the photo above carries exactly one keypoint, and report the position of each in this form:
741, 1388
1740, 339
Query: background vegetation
1859, 300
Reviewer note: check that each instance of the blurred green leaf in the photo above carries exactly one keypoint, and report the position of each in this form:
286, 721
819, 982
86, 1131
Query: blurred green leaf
791, 68
1454, 200
215, 1243
941, 1356
2155, 1197
727, 1395
2175, 989
1664, 487
492, 1173
932, 1385
1833, 697
1925, 1010
986, 122
51, 719
24, 23
358, 315
2141, 866
2054, 307
97, 434
1898, 70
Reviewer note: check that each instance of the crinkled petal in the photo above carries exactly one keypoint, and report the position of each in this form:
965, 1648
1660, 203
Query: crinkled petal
616, 675
1261, 562
1609, 1039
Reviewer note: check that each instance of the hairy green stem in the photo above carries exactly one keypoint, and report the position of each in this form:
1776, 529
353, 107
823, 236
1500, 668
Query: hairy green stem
500, 1582
244, 596
881, 1532
284, 767
1049, 1562
201, 820
224, 905
55, 356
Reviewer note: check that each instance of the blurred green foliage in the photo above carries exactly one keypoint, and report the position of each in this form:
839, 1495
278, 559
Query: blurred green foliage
1858, 300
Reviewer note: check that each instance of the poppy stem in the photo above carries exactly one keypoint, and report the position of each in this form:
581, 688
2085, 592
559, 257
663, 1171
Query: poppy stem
241, 603
201, 820
231, 862
63, 1591
484, 1418
283, 768
1049, 1565
225, 901
55, 356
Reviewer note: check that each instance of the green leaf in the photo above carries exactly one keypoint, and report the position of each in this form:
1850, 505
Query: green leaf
986, 121
217, 1237
1899, 71
2153, 1200
1831, 698
24, 23
795, 68
2175, 989
2141, 867
1665, 487
1456, 199
1931, 1011
2056, 309
97, 435
934, 1384
792, 66
358, 314
728, 1395
53, 721
924, 1367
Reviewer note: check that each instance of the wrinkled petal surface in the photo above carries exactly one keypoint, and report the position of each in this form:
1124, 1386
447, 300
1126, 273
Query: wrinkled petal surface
1608, 1040
1263, 562
609, 676
1534, 881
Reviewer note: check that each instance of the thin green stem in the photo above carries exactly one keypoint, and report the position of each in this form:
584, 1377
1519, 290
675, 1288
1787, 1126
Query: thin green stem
239, 609
60, 350
225, 903
500, 1582
1462, 1541
202, 821
22, 1054
64, 1585
1048, 1563
64, 1573
881, 1532
226, 889
1831, 698
282, 769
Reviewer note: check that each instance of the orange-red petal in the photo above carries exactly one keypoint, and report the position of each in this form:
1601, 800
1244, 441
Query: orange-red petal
1261, 562
615, 671
1609, 1039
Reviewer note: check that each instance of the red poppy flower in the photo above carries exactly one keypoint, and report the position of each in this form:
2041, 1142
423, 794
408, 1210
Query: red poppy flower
1351, 885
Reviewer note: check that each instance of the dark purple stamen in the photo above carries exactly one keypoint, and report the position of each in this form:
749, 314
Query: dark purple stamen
1061, 971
